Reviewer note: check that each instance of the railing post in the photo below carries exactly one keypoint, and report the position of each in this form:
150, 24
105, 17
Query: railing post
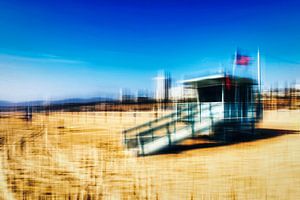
200, 112
143, 151
140, 144
177, 111
174, 120
193, 128
152, 134
169, 135
125, 137
189, 112
210, 115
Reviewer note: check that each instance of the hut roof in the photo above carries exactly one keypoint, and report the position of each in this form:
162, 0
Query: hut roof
218, 79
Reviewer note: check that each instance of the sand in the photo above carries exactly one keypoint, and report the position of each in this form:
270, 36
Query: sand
80, 156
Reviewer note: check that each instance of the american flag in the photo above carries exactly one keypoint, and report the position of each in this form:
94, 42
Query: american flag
242, 59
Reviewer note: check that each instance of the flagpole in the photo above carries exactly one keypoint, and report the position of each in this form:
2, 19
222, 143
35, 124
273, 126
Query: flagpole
260, 108
234, 63
258, 70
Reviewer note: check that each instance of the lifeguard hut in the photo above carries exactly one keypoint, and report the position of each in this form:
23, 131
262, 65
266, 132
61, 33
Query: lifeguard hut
238, 99
225, 104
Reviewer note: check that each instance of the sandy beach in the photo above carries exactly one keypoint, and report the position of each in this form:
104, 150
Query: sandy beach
80, 156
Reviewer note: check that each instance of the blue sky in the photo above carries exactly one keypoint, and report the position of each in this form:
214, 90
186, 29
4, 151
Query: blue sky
60, 49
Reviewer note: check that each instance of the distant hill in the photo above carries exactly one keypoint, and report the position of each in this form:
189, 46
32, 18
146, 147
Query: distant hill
55, 102
5, 103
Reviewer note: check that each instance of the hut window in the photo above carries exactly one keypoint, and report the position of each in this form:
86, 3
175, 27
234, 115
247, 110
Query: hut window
210, 94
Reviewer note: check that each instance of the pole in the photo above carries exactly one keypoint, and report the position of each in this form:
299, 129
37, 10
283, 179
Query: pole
259, 86
258, 71
233, 64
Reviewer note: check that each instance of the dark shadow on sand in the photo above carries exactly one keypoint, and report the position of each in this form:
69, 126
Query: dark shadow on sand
212, 142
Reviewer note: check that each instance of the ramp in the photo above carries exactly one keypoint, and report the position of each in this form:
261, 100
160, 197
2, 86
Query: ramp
187, 121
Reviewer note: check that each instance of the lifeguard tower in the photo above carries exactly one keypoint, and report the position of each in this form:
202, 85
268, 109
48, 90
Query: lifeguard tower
238, 99
225, 104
